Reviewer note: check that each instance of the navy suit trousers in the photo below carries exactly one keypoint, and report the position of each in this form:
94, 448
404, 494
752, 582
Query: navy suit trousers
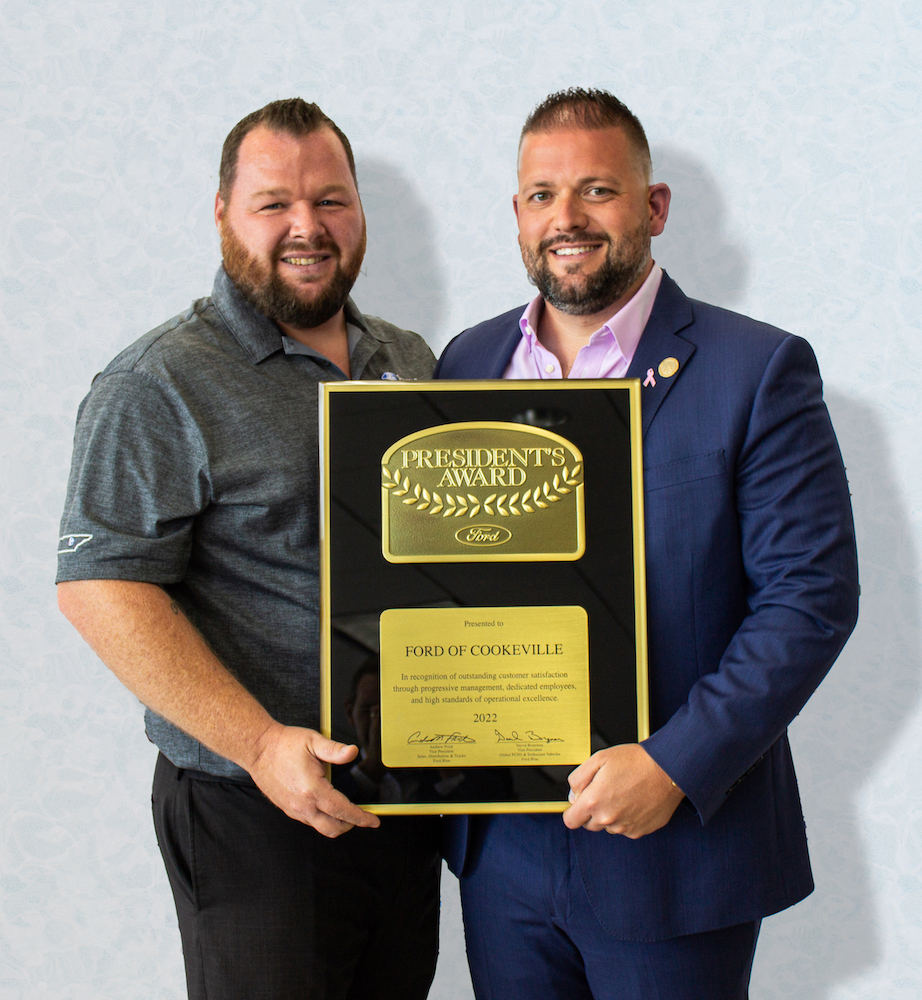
532, 933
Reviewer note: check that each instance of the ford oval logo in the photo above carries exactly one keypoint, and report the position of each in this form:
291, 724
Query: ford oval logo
483, 534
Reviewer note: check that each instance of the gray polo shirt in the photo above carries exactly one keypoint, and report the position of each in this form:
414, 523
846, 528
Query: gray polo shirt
195, 467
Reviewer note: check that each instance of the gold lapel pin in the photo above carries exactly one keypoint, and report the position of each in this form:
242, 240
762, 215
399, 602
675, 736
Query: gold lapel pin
668, 367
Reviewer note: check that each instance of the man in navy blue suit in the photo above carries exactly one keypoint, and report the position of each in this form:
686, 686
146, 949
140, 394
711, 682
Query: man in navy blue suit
672, 850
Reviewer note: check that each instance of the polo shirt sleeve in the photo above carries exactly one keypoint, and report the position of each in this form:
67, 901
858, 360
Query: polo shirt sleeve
138, 479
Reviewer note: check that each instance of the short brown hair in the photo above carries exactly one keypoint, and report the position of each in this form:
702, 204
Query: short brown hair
588, 109
293, 116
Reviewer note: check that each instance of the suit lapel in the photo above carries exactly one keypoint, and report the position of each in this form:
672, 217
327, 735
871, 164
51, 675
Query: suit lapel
672, 312
482, 351
506, 348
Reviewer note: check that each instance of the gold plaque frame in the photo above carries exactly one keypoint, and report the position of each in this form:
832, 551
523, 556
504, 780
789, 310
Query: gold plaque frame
363, 425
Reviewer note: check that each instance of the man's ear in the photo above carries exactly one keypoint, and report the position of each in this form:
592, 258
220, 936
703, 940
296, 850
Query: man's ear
515, 205
219, 208
658, 198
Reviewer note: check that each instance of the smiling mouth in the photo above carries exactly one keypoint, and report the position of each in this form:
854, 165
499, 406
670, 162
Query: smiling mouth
303, 261
573, 251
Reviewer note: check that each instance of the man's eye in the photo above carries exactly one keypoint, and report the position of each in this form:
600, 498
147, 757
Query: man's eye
599, 192
272, 207
540, 196
328, 202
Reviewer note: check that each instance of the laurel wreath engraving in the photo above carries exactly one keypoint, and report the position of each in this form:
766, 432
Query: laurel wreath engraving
457, 506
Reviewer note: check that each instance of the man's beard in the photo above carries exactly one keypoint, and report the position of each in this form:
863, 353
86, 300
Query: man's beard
589, 294
264, 288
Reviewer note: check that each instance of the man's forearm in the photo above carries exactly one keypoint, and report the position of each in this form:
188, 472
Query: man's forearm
153, 649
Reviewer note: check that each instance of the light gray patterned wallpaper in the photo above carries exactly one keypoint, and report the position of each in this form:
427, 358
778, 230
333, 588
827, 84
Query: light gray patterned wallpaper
790, 134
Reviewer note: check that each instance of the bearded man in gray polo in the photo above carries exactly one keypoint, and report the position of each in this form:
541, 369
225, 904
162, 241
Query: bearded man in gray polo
189, 562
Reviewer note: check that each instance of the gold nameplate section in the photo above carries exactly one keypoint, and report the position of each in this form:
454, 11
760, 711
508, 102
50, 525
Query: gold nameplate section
464, 687
482, 491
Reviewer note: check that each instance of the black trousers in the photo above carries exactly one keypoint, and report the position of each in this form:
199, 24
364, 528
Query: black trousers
271, 910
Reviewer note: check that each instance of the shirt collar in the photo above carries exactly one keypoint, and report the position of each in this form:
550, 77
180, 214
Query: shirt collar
292, 346
626, 325
260, 336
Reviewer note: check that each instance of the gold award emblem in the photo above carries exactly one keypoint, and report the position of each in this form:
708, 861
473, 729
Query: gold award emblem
482, 491
668, 367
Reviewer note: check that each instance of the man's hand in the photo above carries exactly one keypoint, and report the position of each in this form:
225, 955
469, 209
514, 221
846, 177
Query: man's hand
290, 773
621, 790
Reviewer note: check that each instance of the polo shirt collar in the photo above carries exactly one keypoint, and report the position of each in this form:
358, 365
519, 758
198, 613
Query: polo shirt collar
258, 335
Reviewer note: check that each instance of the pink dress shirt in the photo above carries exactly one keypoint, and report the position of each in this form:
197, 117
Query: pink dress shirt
608, 352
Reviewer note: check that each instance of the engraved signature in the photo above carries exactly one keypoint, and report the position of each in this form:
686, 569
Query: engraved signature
439, 738
530, 737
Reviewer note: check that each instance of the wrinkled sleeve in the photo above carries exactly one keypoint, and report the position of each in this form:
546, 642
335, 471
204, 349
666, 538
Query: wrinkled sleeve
798, 550
138, 478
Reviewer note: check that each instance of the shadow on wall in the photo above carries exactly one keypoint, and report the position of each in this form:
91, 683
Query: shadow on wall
852, 724
695, 249
403, 279
848, 731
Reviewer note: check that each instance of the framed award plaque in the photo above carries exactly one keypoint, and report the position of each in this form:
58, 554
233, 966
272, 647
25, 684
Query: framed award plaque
483, 625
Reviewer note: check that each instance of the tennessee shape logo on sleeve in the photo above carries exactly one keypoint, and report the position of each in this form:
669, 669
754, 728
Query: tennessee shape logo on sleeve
70, 543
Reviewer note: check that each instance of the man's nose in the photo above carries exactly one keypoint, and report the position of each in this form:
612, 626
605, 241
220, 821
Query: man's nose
571, 214
305, 221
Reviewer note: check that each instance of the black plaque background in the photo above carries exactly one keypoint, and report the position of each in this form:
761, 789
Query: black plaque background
361, 426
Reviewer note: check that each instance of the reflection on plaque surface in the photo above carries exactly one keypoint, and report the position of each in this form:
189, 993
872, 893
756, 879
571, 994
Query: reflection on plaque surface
482, 619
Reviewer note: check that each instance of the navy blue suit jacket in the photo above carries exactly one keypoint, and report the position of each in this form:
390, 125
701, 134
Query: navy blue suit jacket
752, 591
